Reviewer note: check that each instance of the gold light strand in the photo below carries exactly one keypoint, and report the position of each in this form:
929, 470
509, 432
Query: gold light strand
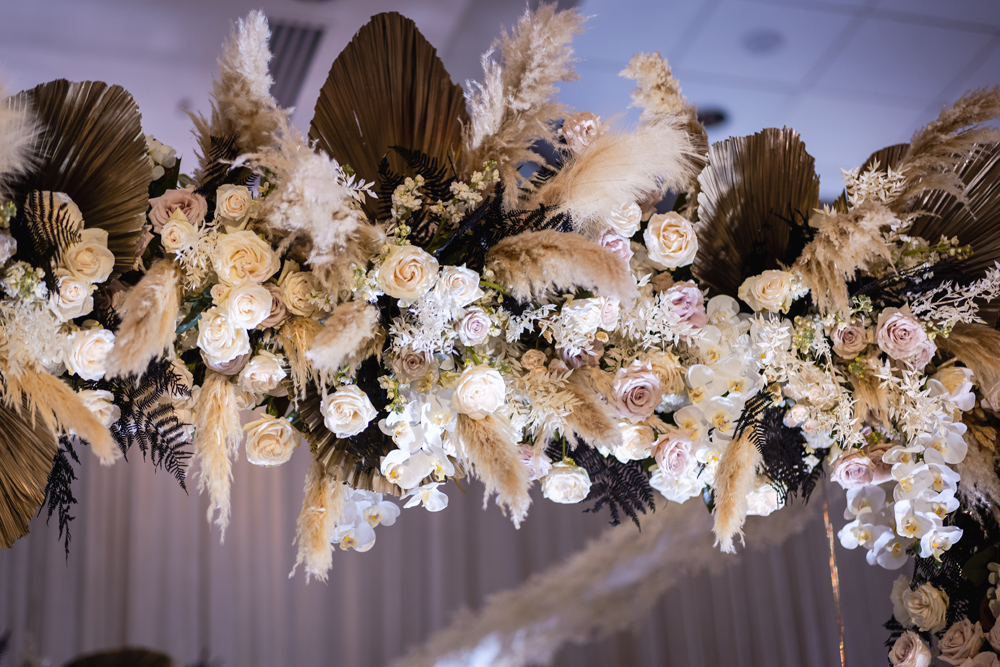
834, 581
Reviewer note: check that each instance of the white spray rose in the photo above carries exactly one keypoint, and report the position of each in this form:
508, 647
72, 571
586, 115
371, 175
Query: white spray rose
460, 285
270, 441
480, 391
88, 351
233, 202
177, 233
771, 290
243, 256
347, 411
297, 290
73, 299
101, 403
583, 315
566, 483
637, 442
763, 500
474, 327
8, 248
407, 273
670, 240
219, 339
247, 305
625, 219
262, 374
90, 260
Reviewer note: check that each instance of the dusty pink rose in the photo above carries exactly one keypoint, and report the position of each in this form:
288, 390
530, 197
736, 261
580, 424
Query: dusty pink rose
231, 367
533, 359
609, 313
924, 354
962, 641
688, 302
193, 206
537, 463
617, 244
882, 471
900, 335
636, 391
580, 129
853, 469
984, 659
849, 340
474, 327
910, 651
409, 365
591, 356
673, 453
278, 310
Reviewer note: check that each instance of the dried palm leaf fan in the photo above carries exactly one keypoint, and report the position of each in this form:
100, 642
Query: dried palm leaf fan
388, 88
753, 191
127, 657
27, 449
92, 148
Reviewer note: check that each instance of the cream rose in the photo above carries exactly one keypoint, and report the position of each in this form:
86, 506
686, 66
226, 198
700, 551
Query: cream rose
89, 259
609, 313
853, 469
993, 637
625, 219
88, 351
637, 443
763, 500
962, 641
219, 339
233, 202
262, 374
910, 651
73, 298
673, 453
566, 483
192, 205
582, 315
771, 290
278, 310
101, 403
247, 305
243, 256
407, 273
177, 233
533, 359
347, 411
297, 291
474, 327
984, 659
926, 606
580, 129
480, 391
849, 340
670, 240
900, 335
459, 285
636, 391
270, 441
669, 370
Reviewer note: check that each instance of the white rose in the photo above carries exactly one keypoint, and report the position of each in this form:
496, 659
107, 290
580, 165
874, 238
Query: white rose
297, 290
407, 273
637, 442
670, 240
247, 305
763, 500
583, 315
474, 327
625, 219
566, 483
270, 441
73, 298
177, 233
88, 351
90, 259
219, 339
262, 374
771, 290
243, 256
609, 313
926, 607
460, 285
101, 403
347, 411
910, 651
480, 391
233, 202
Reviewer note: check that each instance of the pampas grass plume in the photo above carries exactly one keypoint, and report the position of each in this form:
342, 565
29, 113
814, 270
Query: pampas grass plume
217, 437
347, 330
296, 337
18, 131
490, 445
734, 482
322, 504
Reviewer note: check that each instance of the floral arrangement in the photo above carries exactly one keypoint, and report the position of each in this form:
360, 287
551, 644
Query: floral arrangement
418, 308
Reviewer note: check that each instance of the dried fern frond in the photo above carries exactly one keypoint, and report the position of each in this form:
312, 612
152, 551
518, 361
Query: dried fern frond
323, 503
217, 438
27, 449
734, 481
621, 168
149, 320
18, 132
536, 265
490, 445
515, 107
348, 329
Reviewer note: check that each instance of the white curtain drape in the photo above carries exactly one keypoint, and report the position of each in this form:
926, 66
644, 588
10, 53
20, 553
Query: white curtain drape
145, 569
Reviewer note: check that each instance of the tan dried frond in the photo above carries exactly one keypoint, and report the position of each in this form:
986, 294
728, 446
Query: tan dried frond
844, 243
61, 410
621, 168
871, 400
536, 265
323, 503
592, 419
979, 486
295, 337
937, 149
27, 449
515, 107
490, 445
348, 329
976, 346
217, 438
18, 131
149, 320
734, 481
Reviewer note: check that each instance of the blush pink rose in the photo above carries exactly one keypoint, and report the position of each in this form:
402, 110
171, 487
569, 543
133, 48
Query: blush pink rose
190, 203
853, 469
849, 340
910, 651
278, 310
688, 302
882, 471
636, 391
673, 455
617, 244
962, 641
900, 335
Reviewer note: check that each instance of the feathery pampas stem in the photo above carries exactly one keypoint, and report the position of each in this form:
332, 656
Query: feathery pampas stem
18, 131
149, 321
592, 419
217, 438
296, 336
734, 482
350, 327
979, 485
490, 444
322, 504
538, 264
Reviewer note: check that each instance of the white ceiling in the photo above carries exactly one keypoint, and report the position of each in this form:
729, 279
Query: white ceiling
850, 75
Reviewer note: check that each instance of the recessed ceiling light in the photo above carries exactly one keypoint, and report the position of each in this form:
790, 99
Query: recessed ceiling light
712, 116
763, 41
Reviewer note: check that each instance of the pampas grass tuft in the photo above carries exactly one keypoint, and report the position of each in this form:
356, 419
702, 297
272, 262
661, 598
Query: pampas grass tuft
979, 485
18, 131
593, 420
734, 482
296, 336
871, 400
538, 264
149, 321
322, 504
350, 327
490, 445
217, 438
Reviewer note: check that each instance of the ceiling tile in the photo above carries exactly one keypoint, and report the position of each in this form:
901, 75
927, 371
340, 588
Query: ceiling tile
984, 72
974, 11
906, 61
747, 111
600, 91
802, 37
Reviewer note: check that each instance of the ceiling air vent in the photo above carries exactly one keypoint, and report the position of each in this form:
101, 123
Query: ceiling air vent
292, 50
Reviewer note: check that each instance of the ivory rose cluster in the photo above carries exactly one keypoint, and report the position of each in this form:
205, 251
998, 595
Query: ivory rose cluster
82, 267
270, 441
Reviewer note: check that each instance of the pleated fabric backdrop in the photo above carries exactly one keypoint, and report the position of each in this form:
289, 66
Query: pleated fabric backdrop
145, 569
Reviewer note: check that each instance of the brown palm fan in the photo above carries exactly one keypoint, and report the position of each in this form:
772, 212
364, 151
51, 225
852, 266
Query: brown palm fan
126, 657
388, 88
27, 450
755, 195
92, 148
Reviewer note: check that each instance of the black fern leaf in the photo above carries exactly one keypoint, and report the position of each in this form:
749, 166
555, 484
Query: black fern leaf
783, 451
895, 629
437, 177
220, 170
388, 181
59, 498
43, 228
622, 487
753, 409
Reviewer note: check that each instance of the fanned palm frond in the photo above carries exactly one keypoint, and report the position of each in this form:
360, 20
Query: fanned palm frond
27, 449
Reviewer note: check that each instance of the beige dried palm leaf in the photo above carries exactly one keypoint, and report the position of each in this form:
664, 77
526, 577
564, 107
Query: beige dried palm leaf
27, 448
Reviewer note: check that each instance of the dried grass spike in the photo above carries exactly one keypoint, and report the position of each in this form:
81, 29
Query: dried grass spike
217, 438
18, 134
734, 482
350, 327
490, 445
296, 337
322, 504
592, 419
149, 321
